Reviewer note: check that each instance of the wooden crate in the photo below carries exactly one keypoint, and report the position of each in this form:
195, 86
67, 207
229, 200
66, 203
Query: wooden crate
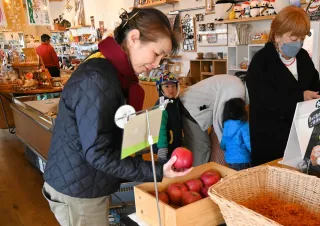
201, 213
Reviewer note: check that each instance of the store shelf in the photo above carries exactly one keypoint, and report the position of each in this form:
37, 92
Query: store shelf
250, 19
25, 64
211, 32
72, 55
198, 66
214, 44
76, 43
172, 57
237, 69
56, 31
256, 45
158, 3
208, 73
77, 27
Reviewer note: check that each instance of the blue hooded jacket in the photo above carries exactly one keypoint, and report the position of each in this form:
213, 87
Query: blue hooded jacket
236, 142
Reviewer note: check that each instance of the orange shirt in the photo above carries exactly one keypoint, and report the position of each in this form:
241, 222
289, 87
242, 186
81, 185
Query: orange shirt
48, 55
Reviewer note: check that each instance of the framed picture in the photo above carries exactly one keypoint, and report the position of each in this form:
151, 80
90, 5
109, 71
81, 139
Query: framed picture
212, 38
188, 34
209, 6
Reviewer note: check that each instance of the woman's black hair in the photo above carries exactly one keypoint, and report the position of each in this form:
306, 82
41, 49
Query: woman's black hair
235, 109
151, 23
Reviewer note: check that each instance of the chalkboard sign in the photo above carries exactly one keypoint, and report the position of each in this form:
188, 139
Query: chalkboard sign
313, 10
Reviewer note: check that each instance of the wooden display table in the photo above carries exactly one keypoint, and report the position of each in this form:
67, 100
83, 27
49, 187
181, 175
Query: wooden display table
277, 164
35, 91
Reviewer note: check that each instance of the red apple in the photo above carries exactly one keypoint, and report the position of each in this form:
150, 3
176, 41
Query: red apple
194, 185
184, 158
163, 196
190, 197
204, 191
210, 177
175, 192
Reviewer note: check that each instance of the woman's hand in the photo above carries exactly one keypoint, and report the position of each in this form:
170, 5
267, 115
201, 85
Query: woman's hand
169, 172
314, 155
310, 95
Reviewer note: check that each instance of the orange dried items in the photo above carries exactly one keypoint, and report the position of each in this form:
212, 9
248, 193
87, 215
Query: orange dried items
283, 212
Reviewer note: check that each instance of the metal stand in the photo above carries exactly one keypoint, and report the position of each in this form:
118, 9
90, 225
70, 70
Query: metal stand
122, 117
150, 140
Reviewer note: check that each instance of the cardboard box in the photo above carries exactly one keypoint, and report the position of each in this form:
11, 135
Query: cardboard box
201, 213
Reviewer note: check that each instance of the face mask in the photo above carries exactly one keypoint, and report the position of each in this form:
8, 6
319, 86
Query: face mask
291, 49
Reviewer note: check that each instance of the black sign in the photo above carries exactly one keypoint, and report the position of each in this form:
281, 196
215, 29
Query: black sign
314, 118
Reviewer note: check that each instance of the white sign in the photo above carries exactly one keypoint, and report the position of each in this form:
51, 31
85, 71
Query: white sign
304, 133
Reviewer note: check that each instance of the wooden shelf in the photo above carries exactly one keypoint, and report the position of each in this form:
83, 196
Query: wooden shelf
158, 3
215, 44
25, 64
77, 27
56, 31
197, 68
172, 57
237, 69
208, 73
259, 18
35, 91
216, 60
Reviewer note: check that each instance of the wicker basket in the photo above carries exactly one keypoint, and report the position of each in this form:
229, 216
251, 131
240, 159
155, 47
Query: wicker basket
290, 185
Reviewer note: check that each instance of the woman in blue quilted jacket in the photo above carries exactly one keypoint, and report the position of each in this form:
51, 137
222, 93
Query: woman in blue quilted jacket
84, 165
235, 140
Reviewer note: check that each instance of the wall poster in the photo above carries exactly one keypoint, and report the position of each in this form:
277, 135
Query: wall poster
38, 12
15, 15
3, 19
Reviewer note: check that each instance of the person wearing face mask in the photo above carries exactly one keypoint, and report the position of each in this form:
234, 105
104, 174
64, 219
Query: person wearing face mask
279, 76
84, 165
170, 134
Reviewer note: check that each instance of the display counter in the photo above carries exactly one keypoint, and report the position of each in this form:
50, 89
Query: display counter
33, 124
6, 116
32, 130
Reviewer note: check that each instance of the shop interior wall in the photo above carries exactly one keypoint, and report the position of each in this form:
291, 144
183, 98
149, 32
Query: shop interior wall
108, 11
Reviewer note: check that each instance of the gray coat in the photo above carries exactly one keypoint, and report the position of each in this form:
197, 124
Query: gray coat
212, 93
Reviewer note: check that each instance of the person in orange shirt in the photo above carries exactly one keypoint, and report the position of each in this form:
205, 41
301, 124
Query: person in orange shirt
49, 56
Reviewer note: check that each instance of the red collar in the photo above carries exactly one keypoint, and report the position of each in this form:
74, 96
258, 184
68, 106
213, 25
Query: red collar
118, 58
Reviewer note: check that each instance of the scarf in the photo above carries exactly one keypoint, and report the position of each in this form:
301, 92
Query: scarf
113, 52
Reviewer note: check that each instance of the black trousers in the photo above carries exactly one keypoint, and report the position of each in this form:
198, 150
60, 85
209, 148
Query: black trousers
54, 71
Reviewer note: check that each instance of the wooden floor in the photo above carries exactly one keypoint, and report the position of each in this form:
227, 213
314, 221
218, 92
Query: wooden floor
21, 201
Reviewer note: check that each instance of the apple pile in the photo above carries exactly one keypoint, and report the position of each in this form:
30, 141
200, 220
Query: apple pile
181, 194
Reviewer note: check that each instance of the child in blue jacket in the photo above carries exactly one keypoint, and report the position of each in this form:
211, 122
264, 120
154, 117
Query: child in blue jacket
235, 140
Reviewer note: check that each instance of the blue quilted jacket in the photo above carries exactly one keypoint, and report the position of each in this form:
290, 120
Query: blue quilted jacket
84, 157
236, 142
